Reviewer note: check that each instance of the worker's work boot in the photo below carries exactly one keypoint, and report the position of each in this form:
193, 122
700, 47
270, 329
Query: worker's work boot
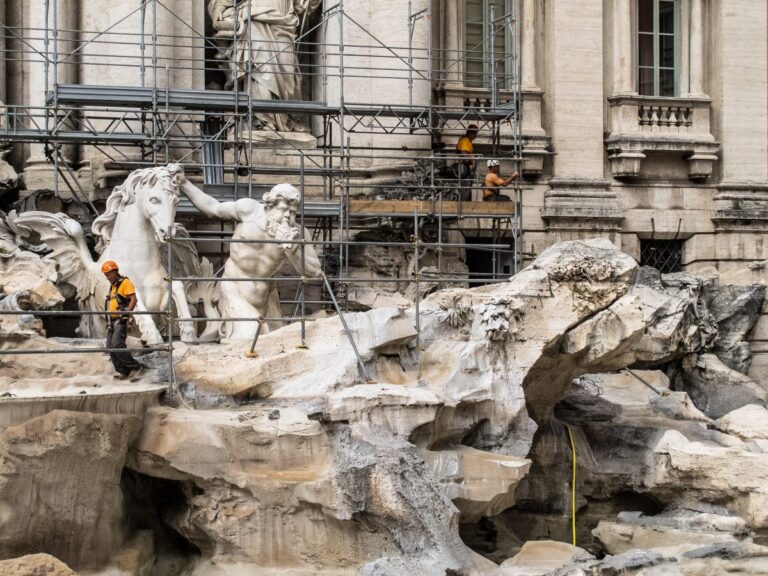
136, 374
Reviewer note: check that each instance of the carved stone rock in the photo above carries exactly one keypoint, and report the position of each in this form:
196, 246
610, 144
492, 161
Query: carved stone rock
60, 486
35, 565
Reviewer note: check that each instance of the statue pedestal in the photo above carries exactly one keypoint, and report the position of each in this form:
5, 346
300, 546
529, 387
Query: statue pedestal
274, 150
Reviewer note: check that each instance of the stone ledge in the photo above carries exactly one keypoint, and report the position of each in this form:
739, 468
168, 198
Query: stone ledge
577, 204
741, 206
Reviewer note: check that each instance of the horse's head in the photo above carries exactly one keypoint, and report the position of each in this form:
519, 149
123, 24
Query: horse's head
154, 191
158, 197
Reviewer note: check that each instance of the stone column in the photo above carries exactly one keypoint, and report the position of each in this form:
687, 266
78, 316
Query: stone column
39, 173
7, 173
578, 203
696, 50
536, 139
740, 91
623, 63
454, 43
3, 55
528, 44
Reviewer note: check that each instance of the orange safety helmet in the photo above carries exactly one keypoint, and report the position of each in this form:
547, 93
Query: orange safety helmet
108, 266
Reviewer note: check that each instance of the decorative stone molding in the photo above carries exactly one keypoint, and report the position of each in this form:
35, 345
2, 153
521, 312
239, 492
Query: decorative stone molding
741, 206
642, 123
576, 204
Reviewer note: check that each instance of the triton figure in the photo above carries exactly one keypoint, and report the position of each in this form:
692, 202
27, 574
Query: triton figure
273, 223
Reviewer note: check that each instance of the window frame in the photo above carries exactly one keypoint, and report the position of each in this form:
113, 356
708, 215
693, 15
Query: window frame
671, 248
508, 71
656, 34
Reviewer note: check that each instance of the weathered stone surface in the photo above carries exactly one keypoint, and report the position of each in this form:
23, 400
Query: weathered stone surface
380, 263
735, 309
667, 533
748, 423
476, 345
728, 474
319, 461
35, 565
272, 488
488, 360
717, 389
726, 558
632, 562
627, 394
60, 486
542, 557
479, 483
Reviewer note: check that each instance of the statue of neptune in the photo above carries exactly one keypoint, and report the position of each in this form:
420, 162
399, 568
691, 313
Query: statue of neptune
263, 36
274, 222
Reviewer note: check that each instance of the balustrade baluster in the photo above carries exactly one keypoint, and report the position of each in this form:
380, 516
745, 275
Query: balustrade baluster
655, 115
673, 117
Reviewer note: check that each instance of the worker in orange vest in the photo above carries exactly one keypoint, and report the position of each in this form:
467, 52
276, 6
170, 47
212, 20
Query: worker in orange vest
121, 298
493, 183
464, 164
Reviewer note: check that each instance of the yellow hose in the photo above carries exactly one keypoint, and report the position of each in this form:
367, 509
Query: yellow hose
573, 486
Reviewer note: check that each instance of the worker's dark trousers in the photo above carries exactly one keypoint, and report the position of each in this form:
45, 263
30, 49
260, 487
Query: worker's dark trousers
122, 361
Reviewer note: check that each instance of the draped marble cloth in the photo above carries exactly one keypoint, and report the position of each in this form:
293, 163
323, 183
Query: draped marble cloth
273, 26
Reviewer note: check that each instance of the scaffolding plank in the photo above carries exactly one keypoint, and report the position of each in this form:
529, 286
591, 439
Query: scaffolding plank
378, 208
428, 207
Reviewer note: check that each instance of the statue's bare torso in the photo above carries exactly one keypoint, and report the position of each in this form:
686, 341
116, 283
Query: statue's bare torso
271, 236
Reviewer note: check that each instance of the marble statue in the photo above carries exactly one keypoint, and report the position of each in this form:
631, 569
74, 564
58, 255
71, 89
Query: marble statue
262, 37
133, 232
273, 222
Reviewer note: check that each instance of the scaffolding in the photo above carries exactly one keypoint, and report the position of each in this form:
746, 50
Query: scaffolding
212, 123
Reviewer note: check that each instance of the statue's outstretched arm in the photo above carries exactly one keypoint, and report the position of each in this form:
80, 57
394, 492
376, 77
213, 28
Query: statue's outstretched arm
239, 210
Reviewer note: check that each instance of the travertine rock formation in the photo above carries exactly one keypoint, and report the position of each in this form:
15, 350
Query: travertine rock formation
735, 309
717, 389
314, 461
60, 486
35, 565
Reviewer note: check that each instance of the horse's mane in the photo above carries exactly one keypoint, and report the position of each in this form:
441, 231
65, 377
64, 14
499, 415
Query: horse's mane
125, 195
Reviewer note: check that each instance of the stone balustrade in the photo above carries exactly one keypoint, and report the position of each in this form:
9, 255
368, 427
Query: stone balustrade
665, 117
639, 124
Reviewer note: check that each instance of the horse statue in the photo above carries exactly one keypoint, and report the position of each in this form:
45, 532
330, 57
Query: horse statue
133, 232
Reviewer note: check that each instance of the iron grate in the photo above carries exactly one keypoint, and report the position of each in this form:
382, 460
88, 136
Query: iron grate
664, 255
